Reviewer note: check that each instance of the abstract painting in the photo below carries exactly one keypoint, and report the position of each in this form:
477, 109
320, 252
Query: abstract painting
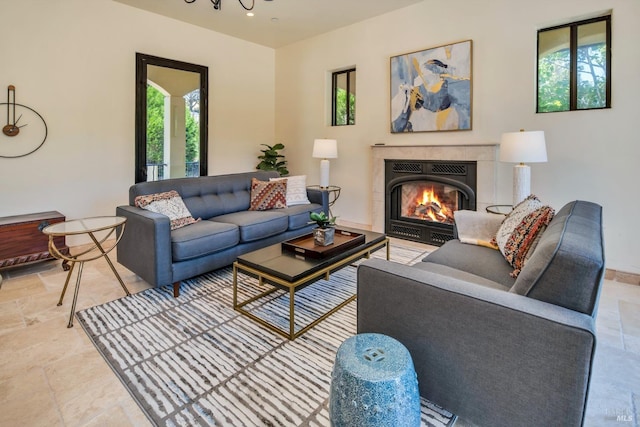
431, 89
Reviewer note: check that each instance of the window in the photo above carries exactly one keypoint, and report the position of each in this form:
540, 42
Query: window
574, 66
343, 97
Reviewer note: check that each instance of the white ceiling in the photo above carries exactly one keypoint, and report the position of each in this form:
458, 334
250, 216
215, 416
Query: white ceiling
276, 23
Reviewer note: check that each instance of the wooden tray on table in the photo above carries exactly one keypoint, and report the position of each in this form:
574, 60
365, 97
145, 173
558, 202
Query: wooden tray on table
306, 247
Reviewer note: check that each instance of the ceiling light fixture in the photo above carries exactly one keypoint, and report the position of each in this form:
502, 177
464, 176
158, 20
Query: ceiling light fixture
217, 4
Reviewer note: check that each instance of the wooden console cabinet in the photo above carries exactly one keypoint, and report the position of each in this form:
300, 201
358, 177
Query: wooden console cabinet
22, 240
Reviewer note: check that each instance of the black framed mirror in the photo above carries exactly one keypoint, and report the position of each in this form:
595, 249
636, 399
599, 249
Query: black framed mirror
170, 144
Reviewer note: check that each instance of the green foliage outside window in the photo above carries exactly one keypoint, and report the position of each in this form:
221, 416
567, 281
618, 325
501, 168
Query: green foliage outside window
341, 108
592, 80
155, 125
155, 129
583, 84
553, 82
193, 132
343, 97
553, 79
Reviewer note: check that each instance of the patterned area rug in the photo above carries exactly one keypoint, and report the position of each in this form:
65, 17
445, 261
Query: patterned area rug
195, 361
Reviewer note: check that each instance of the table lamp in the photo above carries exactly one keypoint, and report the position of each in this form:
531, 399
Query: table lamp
521, 147
325, 149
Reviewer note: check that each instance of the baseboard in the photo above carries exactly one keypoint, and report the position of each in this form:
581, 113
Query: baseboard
622, 277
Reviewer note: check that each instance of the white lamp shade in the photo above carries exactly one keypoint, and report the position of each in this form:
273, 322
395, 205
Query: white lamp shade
325, 149
523, 147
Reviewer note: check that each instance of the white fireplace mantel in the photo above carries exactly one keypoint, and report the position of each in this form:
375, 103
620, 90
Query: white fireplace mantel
484, 155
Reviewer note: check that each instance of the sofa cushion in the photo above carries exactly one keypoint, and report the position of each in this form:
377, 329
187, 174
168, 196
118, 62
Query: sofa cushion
202, 238
168, 203
445, 270
267, 195
296, 189
478, 260
299, 215
256, 225
568, 264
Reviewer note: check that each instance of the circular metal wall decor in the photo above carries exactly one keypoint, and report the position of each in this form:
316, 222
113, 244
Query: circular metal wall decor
24, 130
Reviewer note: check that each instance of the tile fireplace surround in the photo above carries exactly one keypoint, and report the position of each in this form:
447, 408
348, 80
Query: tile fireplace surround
484, 155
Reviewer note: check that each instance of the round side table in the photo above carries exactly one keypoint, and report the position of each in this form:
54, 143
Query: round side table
334, 193
99, 229
499, 209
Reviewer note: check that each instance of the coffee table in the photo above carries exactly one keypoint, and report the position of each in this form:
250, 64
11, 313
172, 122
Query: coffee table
280, 269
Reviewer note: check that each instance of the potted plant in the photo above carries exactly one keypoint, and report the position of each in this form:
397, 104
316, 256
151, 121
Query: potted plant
323, 235
271, 160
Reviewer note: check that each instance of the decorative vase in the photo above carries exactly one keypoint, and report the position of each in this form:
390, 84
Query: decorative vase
323, 236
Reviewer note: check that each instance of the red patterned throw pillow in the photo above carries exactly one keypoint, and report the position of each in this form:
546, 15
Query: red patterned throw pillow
525, 237
268, 195
170, 204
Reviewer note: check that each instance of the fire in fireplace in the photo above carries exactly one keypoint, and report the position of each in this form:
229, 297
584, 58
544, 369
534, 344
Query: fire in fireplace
421, 197
429, 201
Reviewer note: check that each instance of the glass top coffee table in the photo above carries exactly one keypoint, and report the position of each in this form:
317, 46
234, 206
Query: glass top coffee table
278, 269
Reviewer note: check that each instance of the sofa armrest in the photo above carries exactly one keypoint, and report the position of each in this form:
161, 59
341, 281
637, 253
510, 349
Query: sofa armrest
145, 247
489, 356
320, 197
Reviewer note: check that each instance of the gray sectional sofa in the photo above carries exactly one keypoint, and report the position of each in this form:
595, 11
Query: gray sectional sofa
227, 228
494, 350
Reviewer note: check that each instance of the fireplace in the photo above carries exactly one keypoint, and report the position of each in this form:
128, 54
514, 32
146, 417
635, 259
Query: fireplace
421, 196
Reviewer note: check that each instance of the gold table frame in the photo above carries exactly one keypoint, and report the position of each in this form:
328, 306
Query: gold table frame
279, 283
89, 226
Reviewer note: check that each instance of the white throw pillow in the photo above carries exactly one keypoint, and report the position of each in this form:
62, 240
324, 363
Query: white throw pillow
477, 228
296, 189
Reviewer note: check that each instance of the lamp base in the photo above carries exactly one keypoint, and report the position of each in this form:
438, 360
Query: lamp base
521, 183
324, 173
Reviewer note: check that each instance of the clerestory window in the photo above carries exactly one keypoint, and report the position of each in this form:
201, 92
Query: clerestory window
574, 66
343, 97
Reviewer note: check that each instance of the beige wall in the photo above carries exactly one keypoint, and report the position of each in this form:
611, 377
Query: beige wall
593, 155
74, 62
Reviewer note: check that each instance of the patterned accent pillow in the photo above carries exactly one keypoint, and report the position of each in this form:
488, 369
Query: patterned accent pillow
170, 204
525, 237
296, 189
513, 219
267, 195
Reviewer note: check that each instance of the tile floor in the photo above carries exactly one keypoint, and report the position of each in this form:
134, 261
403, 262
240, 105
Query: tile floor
53, 376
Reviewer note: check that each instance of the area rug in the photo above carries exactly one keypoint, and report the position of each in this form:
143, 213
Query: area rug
193, 360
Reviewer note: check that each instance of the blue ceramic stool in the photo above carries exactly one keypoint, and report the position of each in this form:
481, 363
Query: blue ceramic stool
374, 383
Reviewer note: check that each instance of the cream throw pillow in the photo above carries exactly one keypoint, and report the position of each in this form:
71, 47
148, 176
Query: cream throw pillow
296, 189
477, 228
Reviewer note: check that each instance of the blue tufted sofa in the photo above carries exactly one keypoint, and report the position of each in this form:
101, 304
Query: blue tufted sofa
227, 228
